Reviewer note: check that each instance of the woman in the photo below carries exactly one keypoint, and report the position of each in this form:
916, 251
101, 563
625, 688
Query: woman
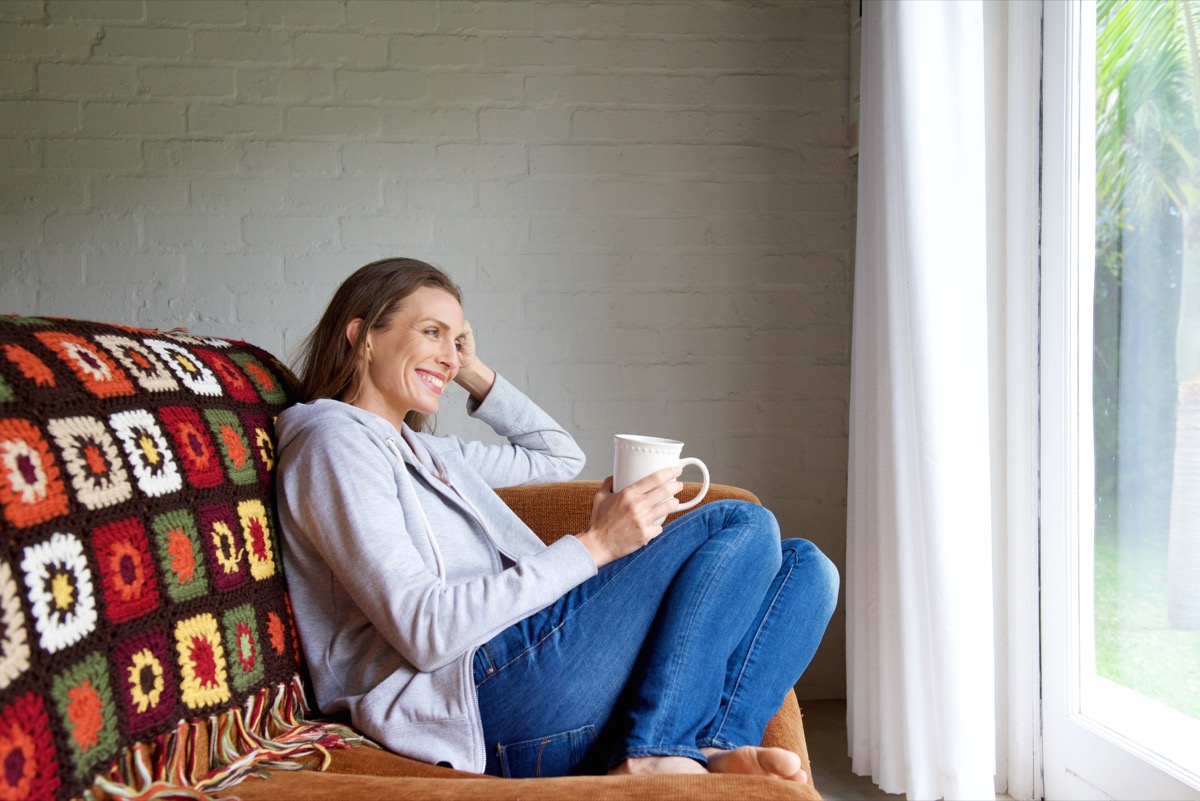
433, 616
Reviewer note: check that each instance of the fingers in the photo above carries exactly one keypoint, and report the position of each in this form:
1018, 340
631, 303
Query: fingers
625, 521
651, 497
658, 479
466, 341
659, 490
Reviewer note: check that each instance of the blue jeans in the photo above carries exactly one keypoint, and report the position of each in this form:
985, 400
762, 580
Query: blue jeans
691, 641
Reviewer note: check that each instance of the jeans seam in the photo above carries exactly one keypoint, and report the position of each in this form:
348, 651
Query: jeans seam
489, 670
715, 566
658, 751
716, 742
750, 651
498, 669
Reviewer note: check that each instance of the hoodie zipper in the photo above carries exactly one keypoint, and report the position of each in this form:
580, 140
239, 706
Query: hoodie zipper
469, 662
476, 715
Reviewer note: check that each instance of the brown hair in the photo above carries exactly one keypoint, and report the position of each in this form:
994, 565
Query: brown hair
331, 367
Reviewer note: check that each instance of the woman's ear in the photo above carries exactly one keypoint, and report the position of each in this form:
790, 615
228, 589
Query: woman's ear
352, 329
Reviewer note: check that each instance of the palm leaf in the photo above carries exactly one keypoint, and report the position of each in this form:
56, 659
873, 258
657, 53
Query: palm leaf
1146, 116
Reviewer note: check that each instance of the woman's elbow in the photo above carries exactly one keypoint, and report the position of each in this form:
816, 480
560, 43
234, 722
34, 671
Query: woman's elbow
428, 663
431, 656
569, 464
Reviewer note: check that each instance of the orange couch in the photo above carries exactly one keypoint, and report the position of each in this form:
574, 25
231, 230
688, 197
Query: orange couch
551, 510
147, 646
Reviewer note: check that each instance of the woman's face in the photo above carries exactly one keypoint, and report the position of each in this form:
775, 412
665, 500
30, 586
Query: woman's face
409, 364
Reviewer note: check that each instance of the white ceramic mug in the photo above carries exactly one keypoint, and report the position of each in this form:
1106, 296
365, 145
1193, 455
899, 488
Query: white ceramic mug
636, 457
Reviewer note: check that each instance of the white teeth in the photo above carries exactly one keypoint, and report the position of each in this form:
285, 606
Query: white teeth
433, 381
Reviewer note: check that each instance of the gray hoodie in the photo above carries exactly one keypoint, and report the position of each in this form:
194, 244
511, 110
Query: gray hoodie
401, 561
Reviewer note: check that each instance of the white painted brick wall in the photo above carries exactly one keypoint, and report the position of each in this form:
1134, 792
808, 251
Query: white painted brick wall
648, 203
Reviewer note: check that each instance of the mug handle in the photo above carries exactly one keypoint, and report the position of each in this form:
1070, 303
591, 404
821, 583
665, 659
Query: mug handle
703, 490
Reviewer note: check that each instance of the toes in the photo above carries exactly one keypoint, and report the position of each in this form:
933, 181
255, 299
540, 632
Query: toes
777, 762
780, 762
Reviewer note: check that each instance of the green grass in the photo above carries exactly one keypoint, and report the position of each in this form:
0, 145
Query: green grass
1134, 645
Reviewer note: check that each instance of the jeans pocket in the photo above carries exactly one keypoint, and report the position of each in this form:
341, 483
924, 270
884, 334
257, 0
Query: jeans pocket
554, 755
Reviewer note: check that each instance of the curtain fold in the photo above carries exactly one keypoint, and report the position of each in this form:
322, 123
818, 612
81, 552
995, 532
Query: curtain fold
920, 649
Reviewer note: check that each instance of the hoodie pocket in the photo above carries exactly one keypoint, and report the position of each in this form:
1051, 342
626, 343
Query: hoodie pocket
554, 755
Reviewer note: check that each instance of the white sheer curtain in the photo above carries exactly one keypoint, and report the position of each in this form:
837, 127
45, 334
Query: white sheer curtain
921, 660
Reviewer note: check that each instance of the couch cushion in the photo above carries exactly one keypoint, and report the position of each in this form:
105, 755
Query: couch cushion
140, 576
325, 786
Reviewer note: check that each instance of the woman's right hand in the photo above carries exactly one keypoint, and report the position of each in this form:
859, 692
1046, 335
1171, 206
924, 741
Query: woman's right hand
624, 521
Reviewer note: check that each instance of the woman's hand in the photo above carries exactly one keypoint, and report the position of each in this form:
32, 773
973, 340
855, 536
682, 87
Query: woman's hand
473, 375
625, 521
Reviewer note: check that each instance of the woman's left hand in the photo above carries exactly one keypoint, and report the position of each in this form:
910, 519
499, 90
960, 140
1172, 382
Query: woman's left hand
466, 347
473, 375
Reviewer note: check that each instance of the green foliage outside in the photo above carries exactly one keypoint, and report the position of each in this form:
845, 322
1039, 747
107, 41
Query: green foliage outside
1147, 198
1134, 645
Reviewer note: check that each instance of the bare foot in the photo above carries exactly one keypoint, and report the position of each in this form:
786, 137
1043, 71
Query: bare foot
642, 766
777, 762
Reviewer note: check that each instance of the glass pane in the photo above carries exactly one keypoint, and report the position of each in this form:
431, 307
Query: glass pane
1146, 358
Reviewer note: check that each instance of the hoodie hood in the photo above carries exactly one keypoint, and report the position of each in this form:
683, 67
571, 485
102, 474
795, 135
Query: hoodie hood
302, 417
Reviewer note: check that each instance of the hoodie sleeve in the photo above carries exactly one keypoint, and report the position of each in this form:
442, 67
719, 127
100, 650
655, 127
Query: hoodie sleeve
344, 513
539, 450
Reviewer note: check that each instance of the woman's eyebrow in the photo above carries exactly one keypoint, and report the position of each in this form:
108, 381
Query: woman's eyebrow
442, 325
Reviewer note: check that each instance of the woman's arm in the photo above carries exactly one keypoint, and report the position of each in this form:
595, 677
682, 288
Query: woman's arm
342, 509
539, 449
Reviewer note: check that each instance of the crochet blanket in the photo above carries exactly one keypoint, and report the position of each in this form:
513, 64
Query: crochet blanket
143, 609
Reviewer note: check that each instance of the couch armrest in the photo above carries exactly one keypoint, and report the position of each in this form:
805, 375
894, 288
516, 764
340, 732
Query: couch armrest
565, 507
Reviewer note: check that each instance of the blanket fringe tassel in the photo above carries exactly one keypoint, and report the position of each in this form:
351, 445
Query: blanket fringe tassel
265, 733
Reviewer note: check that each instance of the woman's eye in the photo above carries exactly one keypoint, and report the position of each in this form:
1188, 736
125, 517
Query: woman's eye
433, 332
458, 345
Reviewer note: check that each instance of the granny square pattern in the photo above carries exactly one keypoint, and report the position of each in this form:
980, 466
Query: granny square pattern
141, 588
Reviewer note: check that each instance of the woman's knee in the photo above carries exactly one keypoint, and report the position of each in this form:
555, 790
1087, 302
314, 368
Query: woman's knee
747, 514
819, 570
755, 525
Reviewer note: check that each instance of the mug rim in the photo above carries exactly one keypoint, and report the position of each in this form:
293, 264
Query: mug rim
642, 439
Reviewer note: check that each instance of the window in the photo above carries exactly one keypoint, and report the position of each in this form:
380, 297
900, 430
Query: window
1120, 401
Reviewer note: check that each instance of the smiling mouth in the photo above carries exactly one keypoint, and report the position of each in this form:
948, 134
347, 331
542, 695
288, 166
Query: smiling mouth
433, 382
